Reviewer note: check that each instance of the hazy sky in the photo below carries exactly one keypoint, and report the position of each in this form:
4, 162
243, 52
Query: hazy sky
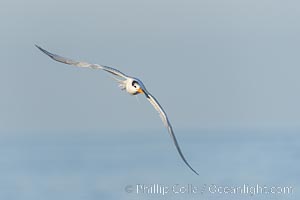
212, 64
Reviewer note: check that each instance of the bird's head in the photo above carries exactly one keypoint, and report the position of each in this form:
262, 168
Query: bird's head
134, 86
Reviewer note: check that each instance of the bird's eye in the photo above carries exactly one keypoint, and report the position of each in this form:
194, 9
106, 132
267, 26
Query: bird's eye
134, 84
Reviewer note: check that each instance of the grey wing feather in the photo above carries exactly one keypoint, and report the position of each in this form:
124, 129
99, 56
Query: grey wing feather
166, 122
82, 64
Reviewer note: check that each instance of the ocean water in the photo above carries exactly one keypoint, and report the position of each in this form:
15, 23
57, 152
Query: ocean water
231, 165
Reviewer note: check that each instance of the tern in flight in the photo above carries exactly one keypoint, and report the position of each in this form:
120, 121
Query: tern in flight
132, 85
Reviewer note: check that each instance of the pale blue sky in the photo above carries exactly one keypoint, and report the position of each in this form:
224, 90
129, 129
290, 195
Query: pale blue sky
213, 65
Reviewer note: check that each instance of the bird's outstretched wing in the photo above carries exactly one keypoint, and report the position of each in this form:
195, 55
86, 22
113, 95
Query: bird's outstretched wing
68, 61
167, 124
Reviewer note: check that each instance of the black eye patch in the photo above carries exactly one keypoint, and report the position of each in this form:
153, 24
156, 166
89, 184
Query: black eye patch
134, 82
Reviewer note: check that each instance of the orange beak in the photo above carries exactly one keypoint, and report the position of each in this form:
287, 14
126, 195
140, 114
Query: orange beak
140, 90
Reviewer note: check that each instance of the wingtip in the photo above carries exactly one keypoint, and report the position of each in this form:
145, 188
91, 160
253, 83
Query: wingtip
44, 51
193, 170
37, 46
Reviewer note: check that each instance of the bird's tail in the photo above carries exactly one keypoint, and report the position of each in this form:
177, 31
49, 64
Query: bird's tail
122, 83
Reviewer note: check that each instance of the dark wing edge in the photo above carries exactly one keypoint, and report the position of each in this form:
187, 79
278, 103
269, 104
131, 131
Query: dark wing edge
68, 61
168, 125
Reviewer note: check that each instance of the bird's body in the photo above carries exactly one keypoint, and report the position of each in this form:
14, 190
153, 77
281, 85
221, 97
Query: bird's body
132, 86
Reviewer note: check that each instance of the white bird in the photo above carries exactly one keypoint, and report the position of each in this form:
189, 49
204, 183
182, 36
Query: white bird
132, 85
